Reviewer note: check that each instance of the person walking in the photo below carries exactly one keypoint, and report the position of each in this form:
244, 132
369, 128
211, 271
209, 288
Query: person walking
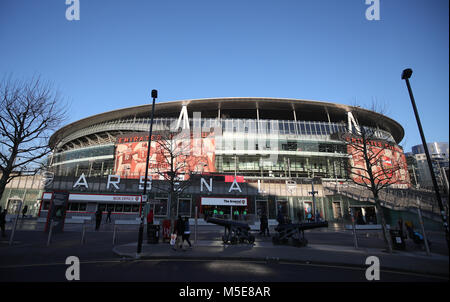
299, 216
187, 233
98, 219
150, 217
179, 231
108, 216
264, 225
24, 211
2, 221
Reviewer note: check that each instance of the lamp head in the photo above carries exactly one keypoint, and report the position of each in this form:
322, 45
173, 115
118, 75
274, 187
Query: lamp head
406, 74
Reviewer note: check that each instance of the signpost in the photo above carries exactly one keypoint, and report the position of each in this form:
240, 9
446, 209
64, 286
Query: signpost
57, 211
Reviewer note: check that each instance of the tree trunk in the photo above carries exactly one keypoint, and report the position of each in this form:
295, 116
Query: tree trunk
3, 183
386, 235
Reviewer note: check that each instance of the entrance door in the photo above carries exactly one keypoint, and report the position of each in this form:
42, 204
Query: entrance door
262, 207
282, 205
161, 208
337, 211
364, 214
184, 207
307, 205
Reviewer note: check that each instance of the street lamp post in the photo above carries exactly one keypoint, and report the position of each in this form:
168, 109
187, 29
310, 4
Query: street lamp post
406, 74
313, 193
141, 226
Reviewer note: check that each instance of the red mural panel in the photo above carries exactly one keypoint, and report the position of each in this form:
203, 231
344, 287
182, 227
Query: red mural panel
192, 155
388, 164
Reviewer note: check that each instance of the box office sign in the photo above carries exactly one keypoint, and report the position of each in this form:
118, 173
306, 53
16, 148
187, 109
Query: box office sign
216, 201
105, 198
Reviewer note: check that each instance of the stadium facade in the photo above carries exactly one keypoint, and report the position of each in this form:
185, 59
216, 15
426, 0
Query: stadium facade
264, 155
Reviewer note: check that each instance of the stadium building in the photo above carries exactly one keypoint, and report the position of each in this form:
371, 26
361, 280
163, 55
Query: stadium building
261, 155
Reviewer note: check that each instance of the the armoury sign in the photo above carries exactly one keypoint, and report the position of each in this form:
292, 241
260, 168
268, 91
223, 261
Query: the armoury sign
214, 201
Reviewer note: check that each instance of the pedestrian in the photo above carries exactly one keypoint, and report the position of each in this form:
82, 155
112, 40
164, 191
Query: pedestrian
187, 233
150, 217
309, 216
244, 214
236, 215
318, 217
2, 221
400, 228
179, 231
264, 225
108, 216
280, 218
299, 216
98, 219
24, 211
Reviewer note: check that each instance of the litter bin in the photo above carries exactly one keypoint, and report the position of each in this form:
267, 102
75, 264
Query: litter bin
397, 240
152, 233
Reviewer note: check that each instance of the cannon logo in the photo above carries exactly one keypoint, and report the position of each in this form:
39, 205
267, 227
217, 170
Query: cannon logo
47, 178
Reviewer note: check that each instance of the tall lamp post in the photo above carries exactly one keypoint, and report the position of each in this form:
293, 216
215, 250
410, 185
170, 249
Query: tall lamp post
141, 226
406, 74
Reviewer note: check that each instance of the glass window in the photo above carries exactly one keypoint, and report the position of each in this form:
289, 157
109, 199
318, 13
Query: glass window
184, 207
313, 128
118, 208
308, 128
127, 208
101, 207
135, 208
292, 128
161, 208
82, 207
281, 127
302, 128
286, 127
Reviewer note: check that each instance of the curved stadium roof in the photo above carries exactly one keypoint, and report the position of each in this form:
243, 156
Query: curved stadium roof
237, 107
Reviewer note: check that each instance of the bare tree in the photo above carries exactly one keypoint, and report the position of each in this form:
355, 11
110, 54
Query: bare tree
374, 166
29, 113
175, 166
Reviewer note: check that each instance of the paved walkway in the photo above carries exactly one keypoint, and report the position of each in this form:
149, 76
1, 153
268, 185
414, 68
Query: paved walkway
417, 262
328, 246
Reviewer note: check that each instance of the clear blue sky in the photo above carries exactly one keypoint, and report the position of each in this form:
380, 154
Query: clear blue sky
308, 49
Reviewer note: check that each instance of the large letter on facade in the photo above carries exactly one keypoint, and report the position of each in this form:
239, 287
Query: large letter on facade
352, 121
81, 182
203, 181
142, 181
235, 186
114, 183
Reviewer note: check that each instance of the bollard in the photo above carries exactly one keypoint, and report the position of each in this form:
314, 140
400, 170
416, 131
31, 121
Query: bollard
83, 233
50, 233
115, 234
11, 239
195, 229
355, 238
